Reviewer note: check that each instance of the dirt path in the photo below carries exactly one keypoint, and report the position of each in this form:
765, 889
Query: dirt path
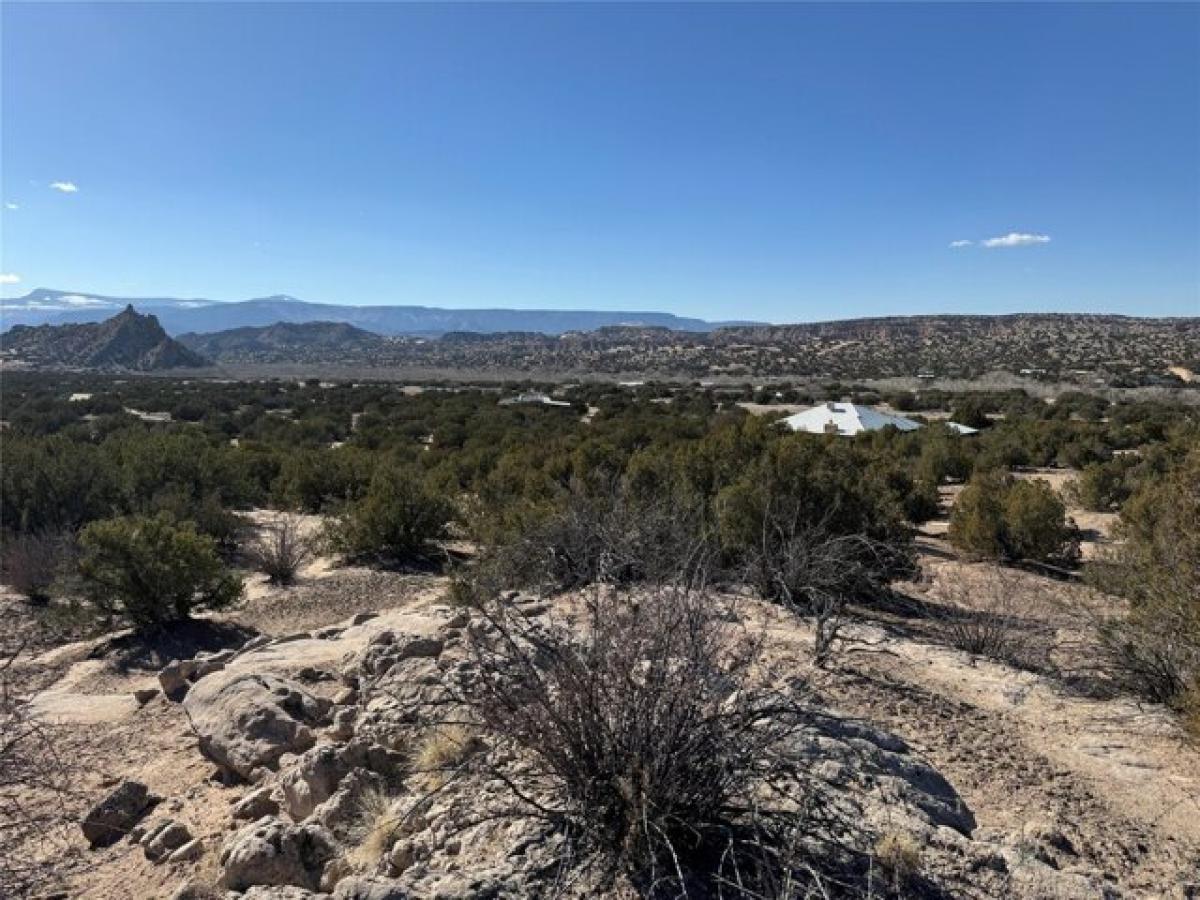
1115, 779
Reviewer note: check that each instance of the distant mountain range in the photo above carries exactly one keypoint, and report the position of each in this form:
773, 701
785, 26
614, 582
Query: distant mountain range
1086, 348
44, 306
127, 341
1092, 349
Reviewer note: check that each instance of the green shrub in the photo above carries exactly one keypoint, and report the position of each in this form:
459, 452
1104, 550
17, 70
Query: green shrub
977, 522
153, 570
1035, 523
1103, 486
999, 517
972, 412
397, 520
1154, 649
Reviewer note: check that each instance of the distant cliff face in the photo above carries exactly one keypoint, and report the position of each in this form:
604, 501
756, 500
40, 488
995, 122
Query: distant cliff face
127, 341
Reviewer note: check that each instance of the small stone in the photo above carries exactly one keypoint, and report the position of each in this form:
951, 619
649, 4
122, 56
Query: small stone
145, 695
255, 805
193, 849
174, 679
402, 856
343, 724
171, 838
114, 816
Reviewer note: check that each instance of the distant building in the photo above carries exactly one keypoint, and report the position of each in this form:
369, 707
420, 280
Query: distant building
533, 397
851, 418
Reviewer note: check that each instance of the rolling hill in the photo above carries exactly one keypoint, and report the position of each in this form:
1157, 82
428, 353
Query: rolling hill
285, 342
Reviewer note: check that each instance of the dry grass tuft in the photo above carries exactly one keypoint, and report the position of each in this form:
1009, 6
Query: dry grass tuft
381, 824
899, 855
440, 751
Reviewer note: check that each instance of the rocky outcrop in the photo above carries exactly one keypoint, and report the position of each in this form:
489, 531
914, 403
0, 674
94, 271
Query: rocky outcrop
246, 721
116, 815
343, 771
126, 341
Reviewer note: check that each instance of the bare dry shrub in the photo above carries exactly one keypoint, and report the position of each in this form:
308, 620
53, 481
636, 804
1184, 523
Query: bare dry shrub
654, 737
33, 561
601, 535
1153, 650
816, 572
988, 613
34, 789
280, 549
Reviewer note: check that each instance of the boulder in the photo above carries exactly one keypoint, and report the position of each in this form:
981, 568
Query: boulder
248, 721
114, 816
276, 853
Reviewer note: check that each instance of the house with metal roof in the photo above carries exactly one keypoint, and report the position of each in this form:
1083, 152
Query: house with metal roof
851, 418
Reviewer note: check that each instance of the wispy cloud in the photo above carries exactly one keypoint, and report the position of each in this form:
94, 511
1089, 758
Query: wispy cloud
65, 187
11, 205
9, 278
962, 243
60, 303
78, 300
1016, 239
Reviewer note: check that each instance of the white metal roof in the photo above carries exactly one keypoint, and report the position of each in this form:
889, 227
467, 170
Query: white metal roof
850, 418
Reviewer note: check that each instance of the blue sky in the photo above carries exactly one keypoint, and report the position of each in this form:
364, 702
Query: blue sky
778, 162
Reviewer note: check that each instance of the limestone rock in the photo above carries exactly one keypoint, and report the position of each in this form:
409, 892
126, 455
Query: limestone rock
165, 840
248, 721
192, 850
256, 804
312, 780
276, 853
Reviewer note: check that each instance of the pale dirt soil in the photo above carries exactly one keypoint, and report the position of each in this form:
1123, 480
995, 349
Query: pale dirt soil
1020, 746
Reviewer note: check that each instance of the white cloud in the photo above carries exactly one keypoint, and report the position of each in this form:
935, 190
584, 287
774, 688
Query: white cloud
65, 187
11, 205
62, 303
9, 278
1016, 239
78, 300
963, 243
